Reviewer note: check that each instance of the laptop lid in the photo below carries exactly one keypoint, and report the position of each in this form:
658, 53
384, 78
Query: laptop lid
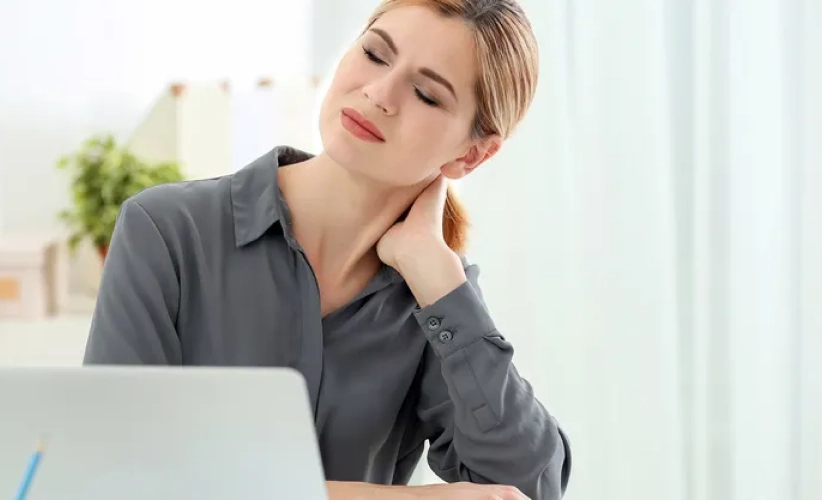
160, 433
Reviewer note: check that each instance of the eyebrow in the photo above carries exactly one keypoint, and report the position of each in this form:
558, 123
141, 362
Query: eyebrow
427, 72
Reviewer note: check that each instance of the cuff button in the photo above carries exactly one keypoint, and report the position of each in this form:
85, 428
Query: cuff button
446, 336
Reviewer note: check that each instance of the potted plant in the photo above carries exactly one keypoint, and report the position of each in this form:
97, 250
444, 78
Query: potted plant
103, 175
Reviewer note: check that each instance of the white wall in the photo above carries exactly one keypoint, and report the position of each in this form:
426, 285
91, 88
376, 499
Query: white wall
71, 69
335, 25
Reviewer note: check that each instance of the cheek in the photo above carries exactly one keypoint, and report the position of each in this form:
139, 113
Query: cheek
334, 94
351, 73
433, 132
334, 91
428, 142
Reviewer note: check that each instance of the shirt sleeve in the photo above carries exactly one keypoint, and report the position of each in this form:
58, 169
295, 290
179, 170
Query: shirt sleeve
138, 299
483, 421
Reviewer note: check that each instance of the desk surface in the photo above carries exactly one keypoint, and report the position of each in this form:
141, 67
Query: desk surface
58, 341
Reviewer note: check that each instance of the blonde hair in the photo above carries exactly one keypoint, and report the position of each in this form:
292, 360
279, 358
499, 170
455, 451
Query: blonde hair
508, 62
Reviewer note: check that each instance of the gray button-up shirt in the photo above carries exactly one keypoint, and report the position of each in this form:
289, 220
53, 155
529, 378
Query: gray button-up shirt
208, 272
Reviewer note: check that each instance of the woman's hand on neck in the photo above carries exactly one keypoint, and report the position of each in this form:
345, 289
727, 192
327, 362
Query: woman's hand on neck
338, 217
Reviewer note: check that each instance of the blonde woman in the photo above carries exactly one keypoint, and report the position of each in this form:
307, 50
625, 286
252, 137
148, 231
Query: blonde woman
348, 266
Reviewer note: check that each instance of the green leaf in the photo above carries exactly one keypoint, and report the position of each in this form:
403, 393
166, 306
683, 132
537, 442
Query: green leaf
103, 175
74, 240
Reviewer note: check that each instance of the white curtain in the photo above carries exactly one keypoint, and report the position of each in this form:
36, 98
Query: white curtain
649, 242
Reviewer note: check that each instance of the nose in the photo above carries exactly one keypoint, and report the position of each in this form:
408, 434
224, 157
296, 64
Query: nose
380, 94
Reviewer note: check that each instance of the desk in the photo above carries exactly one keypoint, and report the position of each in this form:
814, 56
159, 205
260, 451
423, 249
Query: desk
57, 341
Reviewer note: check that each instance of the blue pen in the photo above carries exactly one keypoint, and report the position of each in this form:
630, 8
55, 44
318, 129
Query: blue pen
34, 461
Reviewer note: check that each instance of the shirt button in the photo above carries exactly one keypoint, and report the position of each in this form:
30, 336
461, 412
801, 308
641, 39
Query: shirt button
433, 323
446, 336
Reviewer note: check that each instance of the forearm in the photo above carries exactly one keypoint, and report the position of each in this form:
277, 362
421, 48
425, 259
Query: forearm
499, 432
341, 490
502, 433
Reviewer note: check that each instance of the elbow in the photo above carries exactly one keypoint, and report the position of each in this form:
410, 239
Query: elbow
557, 472
552, 482
544, 475
548, 475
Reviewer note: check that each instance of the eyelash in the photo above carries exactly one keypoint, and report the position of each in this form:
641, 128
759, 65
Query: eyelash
422, 97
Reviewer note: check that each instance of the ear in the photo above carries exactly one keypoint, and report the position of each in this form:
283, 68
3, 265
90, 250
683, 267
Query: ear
480, 151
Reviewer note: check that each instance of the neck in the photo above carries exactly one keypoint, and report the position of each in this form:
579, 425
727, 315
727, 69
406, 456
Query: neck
338, 217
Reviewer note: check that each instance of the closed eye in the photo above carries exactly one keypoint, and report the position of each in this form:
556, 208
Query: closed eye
421, 96
373, 57
424, 98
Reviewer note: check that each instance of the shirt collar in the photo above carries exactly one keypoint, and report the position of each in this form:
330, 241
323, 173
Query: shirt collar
258, 204
256, 199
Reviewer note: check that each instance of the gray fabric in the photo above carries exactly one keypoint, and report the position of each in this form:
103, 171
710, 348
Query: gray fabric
208, 273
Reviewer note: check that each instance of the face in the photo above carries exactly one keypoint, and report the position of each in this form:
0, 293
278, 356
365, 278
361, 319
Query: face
400, 107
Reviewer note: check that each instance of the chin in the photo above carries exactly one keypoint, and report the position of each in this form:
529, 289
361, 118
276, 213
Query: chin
338, 145
352, 154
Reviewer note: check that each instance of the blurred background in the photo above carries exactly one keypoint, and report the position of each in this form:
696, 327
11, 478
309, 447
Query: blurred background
648, 239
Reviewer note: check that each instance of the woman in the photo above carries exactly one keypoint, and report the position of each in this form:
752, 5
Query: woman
346, 265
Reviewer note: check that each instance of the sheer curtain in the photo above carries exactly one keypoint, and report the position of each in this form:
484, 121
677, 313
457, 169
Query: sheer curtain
648, 242
806, 63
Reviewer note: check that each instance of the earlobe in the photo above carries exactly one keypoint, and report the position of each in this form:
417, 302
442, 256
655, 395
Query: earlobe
454, 170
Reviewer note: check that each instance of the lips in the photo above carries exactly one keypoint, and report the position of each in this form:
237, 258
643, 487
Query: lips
363, 122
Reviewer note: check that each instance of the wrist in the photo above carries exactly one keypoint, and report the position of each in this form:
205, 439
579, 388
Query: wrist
432, 275
412, 261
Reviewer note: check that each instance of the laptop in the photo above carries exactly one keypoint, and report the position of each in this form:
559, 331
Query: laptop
159, 433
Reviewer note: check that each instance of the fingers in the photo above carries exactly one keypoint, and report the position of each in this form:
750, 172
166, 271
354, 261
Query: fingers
431, 202
508, 493
436, 191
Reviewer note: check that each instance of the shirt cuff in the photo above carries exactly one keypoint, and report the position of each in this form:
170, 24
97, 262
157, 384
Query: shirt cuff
456, 320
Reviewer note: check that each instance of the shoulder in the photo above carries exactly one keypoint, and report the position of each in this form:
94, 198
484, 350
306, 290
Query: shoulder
177, 202
176, 206
178, 223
